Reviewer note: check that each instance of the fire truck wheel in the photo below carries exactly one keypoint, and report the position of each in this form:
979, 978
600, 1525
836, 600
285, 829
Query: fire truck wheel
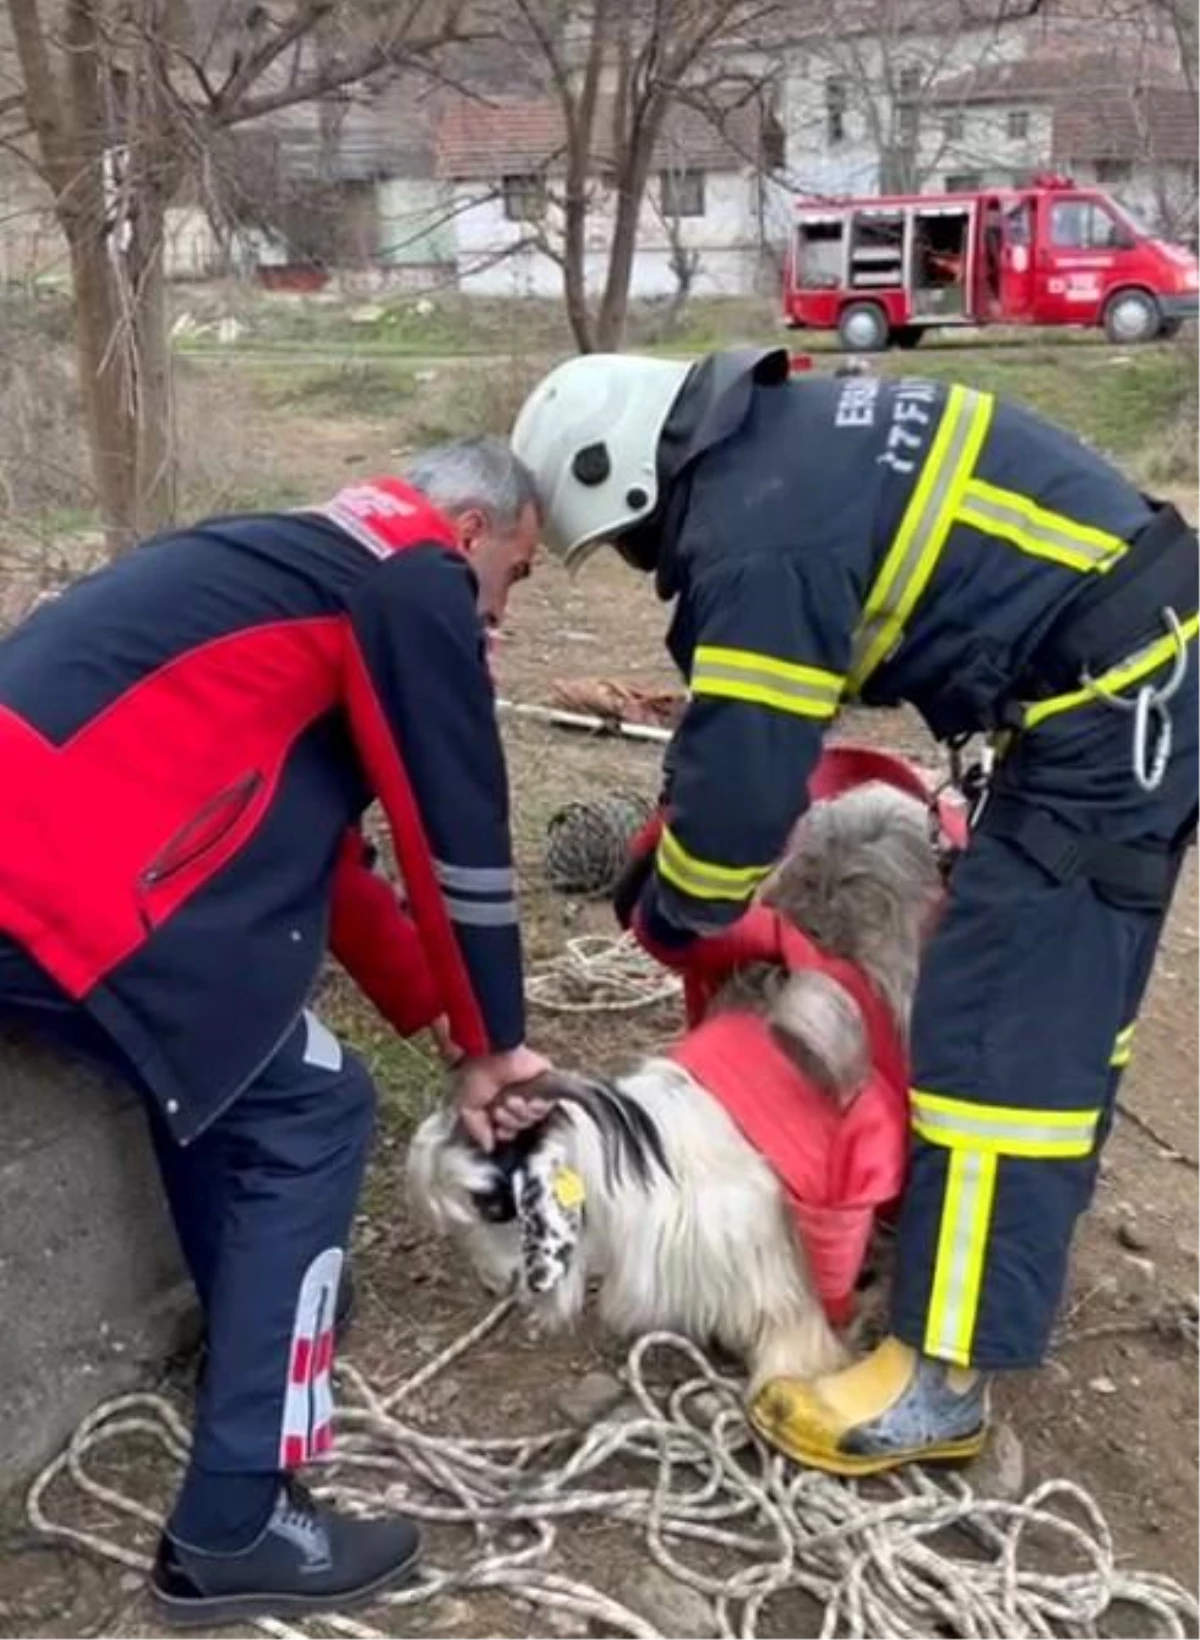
863, 328
1131, 316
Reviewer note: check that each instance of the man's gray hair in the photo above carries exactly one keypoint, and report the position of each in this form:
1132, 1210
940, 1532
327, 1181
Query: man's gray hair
478, 472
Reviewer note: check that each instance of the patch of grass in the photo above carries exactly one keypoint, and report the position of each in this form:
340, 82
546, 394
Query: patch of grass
348, 389
407, 1072
1116, 400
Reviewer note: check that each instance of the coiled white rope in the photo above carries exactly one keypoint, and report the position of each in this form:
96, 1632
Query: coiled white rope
600, 974
904, 1557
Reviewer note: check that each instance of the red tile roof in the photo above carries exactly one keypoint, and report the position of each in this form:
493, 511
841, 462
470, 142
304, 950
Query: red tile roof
514, 137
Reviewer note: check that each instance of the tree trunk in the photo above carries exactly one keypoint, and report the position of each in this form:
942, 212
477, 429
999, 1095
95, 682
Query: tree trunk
633, 173
580, 116
105, 387
115, 238
149, 367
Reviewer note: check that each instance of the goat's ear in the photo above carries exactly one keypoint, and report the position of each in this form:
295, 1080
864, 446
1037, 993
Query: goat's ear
817, 1024
549, 1199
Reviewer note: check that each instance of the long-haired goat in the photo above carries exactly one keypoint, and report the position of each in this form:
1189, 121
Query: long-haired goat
642, 1186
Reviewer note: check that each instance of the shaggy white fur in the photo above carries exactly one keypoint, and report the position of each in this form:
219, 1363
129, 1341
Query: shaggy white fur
683, 1224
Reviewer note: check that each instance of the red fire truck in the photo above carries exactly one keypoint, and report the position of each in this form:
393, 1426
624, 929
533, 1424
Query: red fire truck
884, 270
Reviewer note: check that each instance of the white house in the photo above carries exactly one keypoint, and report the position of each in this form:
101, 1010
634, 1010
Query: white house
932, 95
706, 204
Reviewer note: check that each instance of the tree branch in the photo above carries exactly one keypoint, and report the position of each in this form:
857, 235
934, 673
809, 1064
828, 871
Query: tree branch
332, 77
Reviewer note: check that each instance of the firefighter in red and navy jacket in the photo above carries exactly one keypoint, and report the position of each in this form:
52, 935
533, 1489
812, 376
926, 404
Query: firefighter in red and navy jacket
188, 739
830, 539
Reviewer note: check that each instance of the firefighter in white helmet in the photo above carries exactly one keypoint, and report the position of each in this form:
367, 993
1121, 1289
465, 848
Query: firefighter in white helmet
829, 540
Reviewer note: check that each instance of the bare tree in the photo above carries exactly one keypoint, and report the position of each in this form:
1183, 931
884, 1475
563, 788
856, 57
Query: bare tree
616, 68
117, 99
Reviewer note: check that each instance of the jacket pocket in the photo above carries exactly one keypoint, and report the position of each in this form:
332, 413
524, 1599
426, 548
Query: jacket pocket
205, 841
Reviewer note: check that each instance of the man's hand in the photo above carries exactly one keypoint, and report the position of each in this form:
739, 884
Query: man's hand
488, 1094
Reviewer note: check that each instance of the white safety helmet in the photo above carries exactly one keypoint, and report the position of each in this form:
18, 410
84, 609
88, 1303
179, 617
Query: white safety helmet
589, 434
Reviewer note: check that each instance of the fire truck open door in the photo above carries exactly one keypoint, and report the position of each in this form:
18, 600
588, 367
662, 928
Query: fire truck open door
1017, 273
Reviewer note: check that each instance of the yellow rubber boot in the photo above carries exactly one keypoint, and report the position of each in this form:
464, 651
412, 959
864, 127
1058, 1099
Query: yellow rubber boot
893, 1408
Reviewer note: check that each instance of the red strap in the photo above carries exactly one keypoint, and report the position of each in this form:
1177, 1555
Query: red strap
373, 738
378, 945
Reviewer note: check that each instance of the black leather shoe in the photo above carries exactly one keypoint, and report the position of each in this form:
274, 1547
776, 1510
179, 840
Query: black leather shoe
307, 1558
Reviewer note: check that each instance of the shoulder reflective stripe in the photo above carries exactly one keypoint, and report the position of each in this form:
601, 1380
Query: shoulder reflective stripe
745, 674
703, 879
475, 879
961, 1255
1003, 1130
481, 913
1123, 1046
1138, 666
913, 555
1035, 530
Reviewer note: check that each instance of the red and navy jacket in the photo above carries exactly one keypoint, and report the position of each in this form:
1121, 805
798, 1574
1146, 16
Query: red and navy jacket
188, 738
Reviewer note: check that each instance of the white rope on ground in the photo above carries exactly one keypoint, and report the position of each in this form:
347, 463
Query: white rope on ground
600, 974
682, 1467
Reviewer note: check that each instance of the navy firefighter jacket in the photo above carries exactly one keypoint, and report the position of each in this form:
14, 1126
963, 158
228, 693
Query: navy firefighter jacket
835, 539
186, 737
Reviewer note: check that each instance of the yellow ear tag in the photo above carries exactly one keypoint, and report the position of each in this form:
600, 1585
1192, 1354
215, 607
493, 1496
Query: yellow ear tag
568, 1188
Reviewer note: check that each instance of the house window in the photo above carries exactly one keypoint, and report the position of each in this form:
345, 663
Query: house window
524, 198
1113, 170
953, 126
1018, 124
1082, 225
835, 110
681, 193
964, 182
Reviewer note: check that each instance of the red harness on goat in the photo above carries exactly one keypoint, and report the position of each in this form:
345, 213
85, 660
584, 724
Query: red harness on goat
839, 1166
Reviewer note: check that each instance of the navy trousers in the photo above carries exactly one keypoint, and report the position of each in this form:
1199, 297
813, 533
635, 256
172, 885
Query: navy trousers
262, 1202
1023, 1023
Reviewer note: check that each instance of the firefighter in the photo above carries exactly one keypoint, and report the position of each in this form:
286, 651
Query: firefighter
826, 541
188, 740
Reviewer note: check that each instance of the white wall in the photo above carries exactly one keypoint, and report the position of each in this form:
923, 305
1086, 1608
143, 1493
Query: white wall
725, 240
871, 69
985, 146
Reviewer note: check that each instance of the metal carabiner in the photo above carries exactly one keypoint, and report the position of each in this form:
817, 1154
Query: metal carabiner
1151, 751
1152, 727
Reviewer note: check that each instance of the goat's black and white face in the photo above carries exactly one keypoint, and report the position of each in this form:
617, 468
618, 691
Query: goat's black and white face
643, 1186
521, 1213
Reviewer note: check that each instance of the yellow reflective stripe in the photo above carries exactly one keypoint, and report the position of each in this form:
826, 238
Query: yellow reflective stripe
703, 879
1003, 1130
747, 675
913, 555
1019, 520
961, 1255
1123, 1046
1131, 670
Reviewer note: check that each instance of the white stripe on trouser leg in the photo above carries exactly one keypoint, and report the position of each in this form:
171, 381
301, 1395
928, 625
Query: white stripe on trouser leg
321, 1047
961, 1254
307, 1431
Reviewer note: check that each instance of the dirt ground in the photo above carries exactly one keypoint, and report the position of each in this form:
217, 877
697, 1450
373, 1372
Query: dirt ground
1115, 1408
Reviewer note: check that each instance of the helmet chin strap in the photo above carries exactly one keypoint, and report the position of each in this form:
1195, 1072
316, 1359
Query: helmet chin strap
639, 547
